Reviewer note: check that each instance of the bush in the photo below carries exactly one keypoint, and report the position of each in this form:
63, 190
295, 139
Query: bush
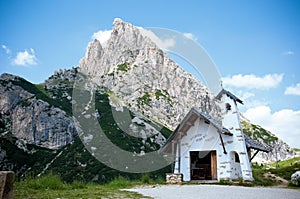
119, 182
225, 182
160, 180
145, 178
76, 184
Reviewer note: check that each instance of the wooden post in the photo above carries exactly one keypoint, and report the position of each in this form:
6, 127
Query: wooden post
254, 155
224, 150
6, 184
179, 153
173, 158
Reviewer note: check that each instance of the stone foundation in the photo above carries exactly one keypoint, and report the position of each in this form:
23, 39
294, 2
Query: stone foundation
6, 184
174, 178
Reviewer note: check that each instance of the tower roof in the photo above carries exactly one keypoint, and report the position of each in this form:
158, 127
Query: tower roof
229, 94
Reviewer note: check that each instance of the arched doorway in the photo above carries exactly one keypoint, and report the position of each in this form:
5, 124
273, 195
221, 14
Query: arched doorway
236, 171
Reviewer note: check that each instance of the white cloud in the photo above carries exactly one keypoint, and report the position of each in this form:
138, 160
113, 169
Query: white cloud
253, 82
102, 36
293, 90
283, 123
25, 58
244, 95
288, 53
190, 36
164, 44
249, 99
7, 50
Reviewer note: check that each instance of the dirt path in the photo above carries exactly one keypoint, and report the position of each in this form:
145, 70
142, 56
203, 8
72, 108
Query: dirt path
282, 183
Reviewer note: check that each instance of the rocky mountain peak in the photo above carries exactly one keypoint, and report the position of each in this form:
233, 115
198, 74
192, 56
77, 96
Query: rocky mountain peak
124, 37
94, 50
129, 34
144, 77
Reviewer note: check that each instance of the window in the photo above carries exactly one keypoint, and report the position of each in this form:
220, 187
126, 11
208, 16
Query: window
228, 106
236, 157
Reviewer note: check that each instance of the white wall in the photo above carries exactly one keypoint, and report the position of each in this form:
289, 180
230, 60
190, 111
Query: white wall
204, 137
235, 167
200, 137
236, 142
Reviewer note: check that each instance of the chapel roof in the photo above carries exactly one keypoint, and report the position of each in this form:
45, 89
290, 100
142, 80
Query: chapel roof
192, 116
229, 94
189, 120
252, 144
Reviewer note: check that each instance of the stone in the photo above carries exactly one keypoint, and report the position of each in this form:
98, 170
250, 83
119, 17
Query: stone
295, 178
174, 178
6, 184
32, 120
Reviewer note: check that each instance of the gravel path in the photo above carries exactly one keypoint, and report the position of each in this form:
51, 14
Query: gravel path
215, 191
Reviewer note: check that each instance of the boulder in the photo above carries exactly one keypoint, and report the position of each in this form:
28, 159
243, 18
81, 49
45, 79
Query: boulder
295, 178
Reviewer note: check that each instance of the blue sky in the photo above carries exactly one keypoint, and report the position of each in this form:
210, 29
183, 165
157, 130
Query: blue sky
255, 45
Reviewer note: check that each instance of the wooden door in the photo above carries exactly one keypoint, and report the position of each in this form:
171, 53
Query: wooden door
213, 165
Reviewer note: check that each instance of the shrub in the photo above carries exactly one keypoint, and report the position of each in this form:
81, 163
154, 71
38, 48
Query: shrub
145, 178
160, 180
225, 182
123, 67
76, 184
119, 182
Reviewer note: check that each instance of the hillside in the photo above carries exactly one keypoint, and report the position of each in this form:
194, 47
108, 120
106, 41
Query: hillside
67, 156
284, 151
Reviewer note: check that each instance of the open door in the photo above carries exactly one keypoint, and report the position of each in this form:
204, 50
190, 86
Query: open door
213, 165
203, 165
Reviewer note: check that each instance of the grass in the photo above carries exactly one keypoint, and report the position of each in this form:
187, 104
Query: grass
285, 170
260, 179
296, 149
118, 183
51, 186
286, 163
123, 67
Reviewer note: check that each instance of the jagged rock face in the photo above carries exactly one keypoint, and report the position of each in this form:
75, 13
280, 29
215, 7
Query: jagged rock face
43, 125
279, 147
34, 120
10, 95
144, 77
283, 150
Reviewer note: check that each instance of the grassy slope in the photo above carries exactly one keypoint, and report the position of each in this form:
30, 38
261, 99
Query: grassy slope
257, 132
285, 170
